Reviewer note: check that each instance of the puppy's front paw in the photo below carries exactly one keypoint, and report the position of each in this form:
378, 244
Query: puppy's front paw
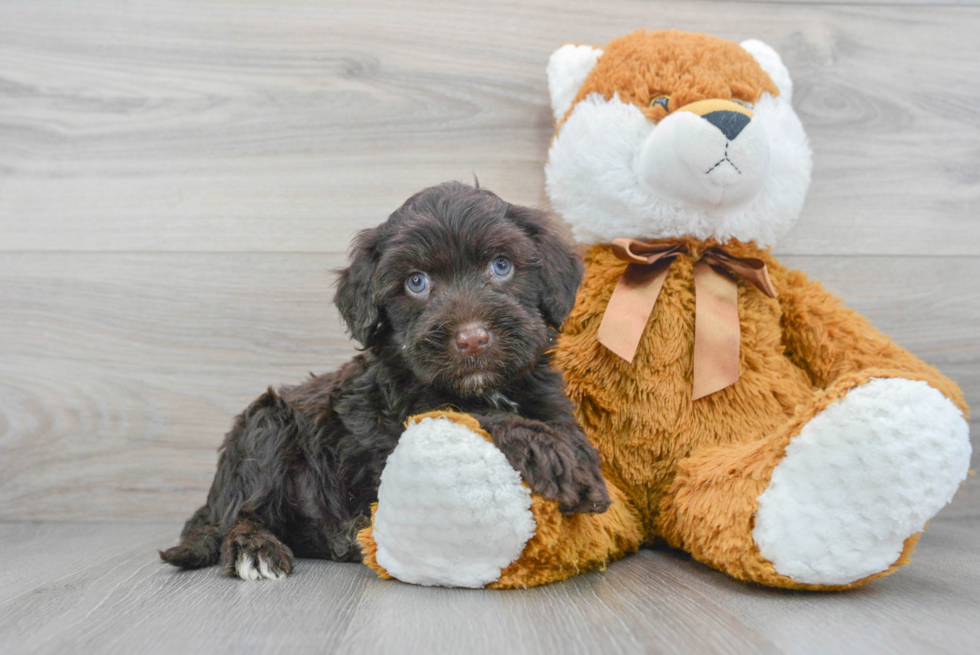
255, 555
255, 566
587, 491
563, 467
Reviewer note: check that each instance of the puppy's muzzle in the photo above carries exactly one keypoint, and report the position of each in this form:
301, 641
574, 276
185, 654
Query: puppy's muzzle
472, 339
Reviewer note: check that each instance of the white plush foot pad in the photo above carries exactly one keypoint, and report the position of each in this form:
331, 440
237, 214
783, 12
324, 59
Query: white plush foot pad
862, 476
451, 510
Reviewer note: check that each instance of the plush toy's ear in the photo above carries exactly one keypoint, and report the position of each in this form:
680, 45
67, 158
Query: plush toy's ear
772, 64
567, 69
560, 268
356, 297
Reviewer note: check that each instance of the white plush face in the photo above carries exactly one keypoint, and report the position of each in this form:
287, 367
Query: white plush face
712, 169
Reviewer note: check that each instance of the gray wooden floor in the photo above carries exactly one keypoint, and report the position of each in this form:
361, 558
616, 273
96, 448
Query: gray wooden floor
177, 180
98, 588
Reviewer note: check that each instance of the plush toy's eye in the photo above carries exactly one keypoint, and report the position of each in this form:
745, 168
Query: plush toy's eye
501, 267
747, 105
660, 101
417, 284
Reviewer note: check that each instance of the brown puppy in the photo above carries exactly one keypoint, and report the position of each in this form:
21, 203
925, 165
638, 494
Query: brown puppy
455, 298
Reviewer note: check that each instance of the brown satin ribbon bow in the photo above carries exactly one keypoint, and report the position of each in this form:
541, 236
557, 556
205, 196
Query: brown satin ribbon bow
716, 328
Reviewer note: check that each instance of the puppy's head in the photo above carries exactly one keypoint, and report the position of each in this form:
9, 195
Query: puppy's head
460, 285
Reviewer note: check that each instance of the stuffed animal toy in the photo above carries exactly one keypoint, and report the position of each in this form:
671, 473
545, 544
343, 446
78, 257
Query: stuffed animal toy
743, 414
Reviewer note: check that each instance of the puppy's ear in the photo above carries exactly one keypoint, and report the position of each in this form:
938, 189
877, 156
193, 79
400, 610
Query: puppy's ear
356, 297
560, 268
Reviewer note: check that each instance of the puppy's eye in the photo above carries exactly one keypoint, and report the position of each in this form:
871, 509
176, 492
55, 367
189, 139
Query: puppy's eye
417, 284
747, 105
501, 267
660, 101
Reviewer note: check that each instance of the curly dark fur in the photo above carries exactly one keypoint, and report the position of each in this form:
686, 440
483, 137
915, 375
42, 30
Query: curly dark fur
301, 466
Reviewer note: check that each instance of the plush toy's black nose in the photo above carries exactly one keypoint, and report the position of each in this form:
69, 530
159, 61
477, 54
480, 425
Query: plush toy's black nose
472, 339
731, 123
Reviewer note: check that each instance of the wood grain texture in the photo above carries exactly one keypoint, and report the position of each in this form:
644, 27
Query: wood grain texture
39, 555
890, 3
123, 600
119, 373
286, 126
177, 179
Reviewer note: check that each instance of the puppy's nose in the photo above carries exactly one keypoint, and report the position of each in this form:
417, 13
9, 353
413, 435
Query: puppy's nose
472, 339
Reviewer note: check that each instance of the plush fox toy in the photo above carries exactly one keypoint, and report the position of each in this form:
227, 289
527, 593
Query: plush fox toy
743, 414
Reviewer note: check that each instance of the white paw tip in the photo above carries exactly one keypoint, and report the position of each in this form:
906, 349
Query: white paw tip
248, 568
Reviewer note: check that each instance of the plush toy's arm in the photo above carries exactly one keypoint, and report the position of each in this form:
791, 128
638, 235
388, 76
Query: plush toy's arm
830, 341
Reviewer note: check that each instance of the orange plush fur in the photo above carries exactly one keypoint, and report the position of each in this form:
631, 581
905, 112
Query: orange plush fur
693, 470
689, 67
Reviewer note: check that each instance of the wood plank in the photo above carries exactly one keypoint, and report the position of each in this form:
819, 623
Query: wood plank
121, 372
43, 555
136, 603
890, 3
930, 606
632, 607
654, 602
287, 126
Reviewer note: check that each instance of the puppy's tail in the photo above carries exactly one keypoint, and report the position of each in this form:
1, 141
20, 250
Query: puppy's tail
200, 544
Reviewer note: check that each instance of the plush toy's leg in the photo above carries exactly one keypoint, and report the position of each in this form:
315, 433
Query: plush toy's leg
565, 545
836, 498
452, 512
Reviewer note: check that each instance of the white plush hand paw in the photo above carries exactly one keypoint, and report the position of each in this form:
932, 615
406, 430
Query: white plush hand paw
451, 510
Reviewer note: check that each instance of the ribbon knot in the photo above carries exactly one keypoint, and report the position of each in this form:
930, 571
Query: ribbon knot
717, 334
